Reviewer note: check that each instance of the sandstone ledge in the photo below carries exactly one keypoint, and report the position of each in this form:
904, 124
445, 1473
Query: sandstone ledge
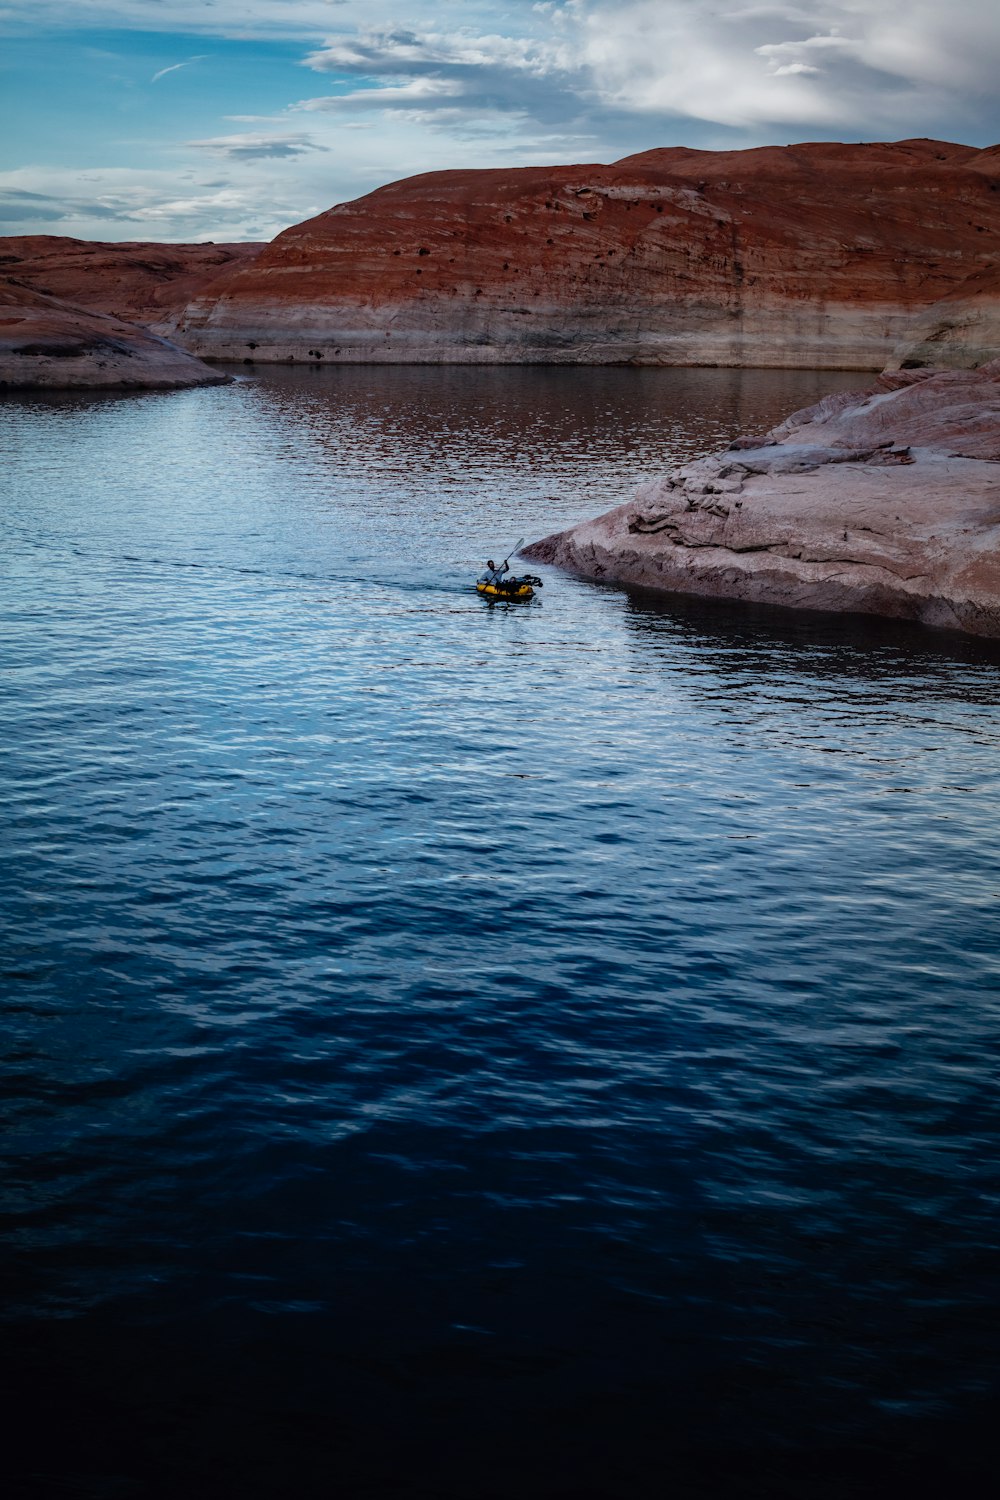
886, 502
46, 344
837, 338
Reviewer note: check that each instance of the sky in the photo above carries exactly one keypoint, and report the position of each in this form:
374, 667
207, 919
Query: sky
194, 120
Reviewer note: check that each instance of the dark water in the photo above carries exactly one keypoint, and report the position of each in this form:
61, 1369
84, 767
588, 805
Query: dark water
465, 1051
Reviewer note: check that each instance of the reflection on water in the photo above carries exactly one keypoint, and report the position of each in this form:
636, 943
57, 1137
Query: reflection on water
466, 1051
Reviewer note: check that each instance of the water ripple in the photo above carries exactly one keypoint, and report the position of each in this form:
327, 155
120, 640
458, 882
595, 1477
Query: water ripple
576, 1025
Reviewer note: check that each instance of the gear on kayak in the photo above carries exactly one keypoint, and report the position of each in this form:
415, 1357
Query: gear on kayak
510, 588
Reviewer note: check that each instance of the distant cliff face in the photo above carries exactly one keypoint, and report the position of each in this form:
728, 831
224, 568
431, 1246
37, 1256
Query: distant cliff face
138, 281
815, 255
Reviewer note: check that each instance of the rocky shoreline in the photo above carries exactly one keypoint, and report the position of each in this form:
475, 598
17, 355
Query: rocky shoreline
883, 502
46, 344
79, 314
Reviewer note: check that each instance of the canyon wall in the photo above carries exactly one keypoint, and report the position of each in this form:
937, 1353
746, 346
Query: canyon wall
818, 255
82, 313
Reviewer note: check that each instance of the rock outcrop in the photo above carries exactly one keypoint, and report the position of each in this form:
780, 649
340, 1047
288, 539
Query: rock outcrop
138, 281
885, 502
69, 311
961, 331
811, 256
49, 344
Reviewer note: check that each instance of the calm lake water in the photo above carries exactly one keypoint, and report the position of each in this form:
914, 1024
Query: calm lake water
467, 1051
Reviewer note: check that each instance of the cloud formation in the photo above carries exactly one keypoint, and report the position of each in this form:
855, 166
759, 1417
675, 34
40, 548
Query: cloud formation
427, 92
834, 65
391, 87
848, 66
174, 67
249, 147
141, 205
748, 65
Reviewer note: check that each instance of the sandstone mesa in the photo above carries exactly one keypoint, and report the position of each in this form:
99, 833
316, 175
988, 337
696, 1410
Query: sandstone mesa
812, 256
820, 255
882, 502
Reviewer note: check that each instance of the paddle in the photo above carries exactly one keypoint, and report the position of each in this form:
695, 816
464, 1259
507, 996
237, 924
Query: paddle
501, 583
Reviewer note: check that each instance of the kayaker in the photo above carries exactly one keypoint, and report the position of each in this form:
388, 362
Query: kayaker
493, 573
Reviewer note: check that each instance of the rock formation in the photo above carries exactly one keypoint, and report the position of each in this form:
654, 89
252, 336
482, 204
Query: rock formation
138, 281
885, 502
959, 332
812, 256
68, 309
46, 343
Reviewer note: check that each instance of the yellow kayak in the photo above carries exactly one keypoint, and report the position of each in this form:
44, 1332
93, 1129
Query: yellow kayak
514, 588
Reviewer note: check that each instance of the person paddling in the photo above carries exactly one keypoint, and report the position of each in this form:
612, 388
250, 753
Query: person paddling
493, 573
493, 583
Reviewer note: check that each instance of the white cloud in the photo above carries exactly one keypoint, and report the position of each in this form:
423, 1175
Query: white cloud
847, 65
174, 68
469, 83
388, 96
250, 147
789, 57
126, 203
384, 49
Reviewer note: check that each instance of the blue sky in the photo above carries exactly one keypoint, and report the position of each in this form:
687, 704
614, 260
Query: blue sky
231, 119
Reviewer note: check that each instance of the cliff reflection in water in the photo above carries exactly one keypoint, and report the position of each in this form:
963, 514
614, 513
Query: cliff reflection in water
470, 1052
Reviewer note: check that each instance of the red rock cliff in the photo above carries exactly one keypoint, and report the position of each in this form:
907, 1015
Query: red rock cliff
812, 255
139, 281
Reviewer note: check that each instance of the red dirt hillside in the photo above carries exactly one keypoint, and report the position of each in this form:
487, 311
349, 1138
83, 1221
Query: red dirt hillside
816, 255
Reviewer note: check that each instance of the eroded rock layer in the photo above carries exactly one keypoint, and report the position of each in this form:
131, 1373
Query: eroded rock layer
46, 343
886, 502
138, 281
815, 255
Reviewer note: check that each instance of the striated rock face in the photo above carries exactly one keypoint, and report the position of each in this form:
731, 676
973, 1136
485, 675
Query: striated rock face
45, 343
803, 256
955, 412
885, 503
140, 282
959, 332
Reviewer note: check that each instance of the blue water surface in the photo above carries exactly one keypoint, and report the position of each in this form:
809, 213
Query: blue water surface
457, 1050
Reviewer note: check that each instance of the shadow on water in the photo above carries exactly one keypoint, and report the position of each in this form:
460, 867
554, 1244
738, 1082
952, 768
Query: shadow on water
913, 657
